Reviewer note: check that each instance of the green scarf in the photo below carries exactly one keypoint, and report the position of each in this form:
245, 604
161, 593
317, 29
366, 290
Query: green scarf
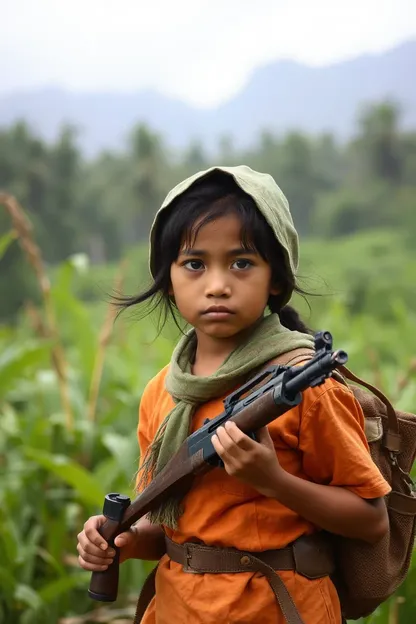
268, 340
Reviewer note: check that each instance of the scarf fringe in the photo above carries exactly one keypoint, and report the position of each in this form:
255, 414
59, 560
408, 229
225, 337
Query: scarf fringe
149, 468
167, 514
170, 509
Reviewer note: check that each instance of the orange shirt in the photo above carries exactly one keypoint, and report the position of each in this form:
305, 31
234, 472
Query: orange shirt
321, 440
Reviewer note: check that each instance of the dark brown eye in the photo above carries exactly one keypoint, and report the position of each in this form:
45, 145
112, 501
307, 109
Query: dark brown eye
193, 265
242, 263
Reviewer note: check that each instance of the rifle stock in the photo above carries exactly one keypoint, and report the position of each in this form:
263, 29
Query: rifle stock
196, 455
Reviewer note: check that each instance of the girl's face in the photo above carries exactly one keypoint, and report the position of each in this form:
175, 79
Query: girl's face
219, 288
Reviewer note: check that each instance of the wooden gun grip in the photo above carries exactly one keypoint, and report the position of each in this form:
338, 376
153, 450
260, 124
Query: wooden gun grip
104, 584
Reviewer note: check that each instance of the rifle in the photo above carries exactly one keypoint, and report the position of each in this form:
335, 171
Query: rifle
251, 407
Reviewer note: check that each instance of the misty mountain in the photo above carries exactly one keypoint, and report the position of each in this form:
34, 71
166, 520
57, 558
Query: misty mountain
279, 97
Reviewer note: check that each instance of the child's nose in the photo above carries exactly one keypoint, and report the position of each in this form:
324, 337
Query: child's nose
217, 285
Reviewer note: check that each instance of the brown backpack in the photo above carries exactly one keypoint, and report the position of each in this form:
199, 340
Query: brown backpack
368, 574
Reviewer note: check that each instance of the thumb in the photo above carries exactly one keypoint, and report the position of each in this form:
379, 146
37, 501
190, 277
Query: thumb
263, 437
124, 539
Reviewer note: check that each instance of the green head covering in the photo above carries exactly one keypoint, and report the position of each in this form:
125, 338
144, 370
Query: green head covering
269, 199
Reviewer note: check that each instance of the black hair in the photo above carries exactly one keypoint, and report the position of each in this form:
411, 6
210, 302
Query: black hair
205, 201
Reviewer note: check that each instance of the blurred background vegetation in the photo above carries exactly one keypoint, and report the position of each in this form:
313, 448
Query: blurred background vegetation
71, 378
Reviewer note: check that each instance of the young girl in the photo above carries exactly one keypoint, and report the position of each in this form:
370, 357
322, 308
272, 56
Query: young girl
224, 252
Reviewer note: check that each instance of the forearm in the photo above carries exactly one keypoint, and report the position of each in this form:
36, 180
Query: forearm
150, 542
334, 509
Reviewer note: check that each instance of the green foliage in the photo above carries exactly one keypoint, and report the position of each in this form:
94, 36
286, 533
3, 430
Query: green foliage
5, 242
52, 477
368, 272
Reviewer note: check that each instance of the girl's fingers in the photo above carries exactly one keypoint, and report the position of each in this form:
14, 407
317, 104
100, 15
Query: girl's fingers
94, 553
92, 559
225, 441
233, 440
90, 530
124, 539
263, 437
226, 453
92, 567
217, 445
238, 437
86, 546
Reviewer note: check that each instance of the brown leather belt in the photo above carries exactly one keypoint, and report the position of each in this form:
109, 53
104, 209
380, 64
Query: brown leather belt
201, 559
309, 555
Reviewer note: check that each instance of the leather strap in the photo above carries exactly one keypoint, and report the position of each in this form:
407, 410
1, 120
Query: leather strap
309, 555
212, 560
291, 358
200, 559
392, 436
147, 592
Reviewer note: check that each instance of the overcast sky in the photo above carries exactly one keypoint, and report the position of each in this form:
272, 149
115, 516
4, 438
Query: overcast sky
201, 51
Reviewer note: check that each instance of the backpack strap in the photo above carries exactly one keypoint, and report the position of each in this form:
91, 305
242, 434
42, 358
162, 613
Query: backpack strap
392, 436
147, 592
291, 358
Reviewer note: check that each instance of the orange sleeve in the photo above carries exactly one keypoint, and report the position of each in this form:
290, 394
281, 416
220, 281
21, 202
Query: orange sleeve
148, 413
143, 430
148, 410
335, 449
143, 424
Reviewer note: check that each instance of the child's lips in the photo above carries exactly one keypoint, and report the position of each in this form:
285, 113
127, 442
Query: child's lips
217, 312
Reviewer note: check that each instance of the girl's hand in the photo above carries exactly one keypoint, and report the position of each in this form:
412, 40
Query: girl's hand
94, 552
255, 463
